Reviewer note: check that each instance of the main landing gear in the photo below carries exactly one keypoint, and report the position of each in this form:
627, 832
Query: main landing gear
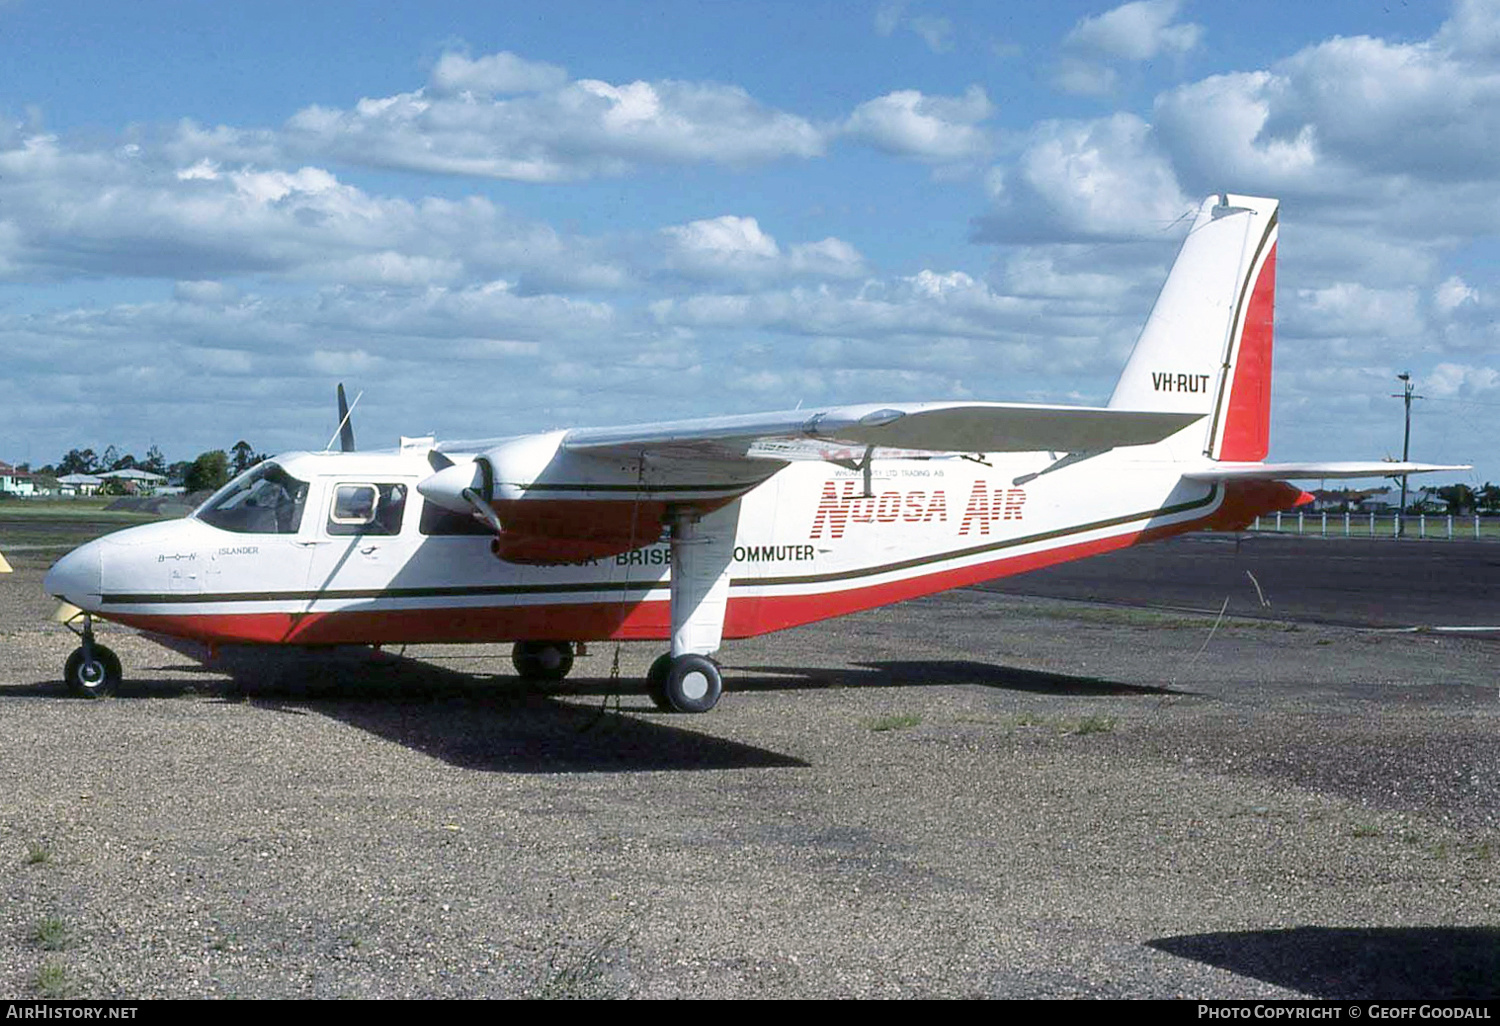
547, 661
92, 671
685, 684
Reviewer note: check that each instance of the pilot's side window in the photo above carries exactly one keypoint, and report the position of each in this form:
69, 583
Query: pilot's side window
367, 509
263, 500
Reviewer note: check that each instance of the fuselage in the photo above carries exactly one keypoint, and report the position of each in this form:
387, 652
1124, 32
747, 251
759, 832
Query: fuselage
354, 554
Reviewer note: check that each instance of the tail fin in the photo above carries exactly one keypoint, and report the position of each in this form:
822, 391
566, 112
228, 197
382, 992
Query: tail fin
1206, 347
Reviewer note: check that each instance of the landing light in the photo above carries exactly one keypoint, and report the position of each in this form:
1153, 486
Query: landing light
880, 418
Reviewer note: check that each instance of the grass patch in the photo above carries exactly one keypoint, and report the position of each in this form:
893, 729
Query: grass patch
53, 982
1366, 830
1154, 619
50, 934
580, 976
37, 855
900, 721
1092, 725
1079, 725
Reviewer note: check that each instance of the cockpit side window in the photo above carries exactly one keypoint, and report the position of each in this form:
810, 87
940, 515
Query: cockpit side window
263, 500
367, 509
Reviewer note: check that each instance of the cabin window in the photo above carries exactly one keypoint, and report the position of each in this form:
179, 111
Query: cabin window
263, 500
367, 509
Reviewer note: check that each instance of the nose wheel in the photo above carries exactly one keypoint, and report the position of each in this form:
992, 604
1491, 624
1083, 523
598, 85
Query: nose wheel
685, 684
92, 671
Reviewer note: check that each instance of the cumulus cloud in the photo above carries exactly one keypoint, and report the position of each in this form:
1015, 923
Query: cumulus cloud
736, 247
1085, 179
1451, 380
1454, 293
1136, 31
1131, 33
1352, 310
494, 74
77, 211
934, 30
937, 129
500, 116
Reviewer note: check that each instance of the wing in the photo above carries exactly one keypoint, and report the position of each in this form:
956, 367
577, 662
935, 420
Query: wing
593, 492
899, 428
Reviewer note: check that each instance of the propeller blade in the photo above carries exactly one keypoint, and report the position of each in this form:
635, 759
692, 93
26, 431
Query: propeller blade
346, 428
437, 461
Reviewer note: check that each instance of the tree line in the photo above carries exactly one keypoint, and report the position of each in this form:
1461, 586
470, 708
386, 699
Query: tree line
206, 472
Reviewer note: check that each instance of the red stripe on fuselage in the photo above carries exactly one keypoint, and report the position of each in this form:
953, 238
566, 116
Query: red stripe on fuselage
747, 615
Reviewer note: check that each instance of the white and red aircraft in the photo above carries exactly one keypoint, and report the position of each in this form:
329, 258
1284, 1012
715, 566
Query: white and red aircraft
725, 527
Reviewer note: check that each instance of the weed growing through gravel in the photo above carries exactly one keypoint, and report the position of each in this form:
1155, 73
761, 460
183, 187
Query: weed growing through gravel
1366, 830
52, 981
576, 977
37, 855
50, 934
900, 721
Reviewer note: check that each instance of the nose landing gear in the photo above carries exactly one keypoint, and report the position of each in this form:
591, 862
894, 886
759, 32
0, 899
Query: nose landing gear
92, 671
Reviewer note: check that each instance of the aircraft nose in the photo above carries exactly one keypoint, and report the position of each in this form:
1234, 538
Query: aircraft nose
77, 577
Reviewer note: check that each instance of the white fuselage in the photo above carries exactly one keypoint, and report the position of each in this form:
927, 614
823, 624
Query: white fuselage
809, 543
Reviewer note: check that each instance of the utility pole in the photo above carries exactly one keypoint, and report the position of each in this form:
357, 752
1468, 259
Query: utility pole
1406, 394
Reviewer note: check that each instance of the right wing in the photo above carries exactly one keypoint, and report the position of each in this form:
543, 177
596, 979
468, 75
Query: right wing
906, 427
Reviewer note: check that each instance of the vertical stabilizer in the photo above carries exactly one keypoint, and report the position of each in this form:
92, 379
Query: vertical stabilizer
1206, 348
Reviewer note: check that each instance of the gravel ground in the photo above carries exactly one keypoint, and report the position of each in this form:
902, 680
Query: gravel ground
976, 794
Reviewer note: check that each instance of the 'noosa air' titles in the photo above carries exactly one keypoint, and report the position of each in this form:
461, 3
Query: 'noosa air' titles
838, 509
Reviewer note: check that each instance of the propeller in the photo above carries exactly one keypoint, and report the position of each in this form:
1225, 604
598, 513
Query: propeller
346, 428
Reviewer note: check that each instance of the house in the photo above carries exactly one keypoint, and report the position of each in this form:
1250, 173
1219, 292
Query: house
1352, 500
15, 482
136, 481
79, 484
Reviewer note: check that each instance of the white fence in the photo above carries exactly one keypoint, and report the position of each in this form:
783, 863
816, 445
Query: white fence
1371, 525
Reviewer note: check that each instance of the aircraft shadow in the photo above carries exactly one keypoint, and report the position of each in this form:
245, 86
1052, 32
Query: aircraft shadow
496, 724
928, 672
1349, 963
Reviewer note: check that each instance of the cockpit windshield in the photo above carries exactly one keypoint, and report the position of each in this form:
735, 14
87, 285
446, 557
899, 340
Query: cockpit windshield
263, 500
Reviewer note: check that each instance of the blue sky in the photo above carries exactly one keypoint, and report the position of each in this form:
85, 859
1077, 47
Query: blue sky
495, 218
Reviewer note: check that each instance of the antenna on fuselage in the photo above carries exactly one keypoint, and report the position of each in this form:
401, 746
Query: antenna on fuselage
345, 433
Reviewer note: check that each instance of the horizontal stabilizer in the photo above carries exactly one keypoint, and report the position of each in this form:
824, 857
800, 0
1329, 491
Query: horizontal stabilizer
1306, 471
924, 427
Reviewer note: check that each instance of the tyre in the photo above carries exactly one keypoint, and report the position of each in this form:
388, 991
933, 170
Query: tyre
542, 660
656, 682
98, 677
693, 684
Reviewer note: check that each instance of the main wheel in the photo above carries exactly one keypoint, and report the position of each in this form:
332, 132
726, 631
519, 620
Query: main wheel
542, 660
656, 682
98, 677
693, 684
